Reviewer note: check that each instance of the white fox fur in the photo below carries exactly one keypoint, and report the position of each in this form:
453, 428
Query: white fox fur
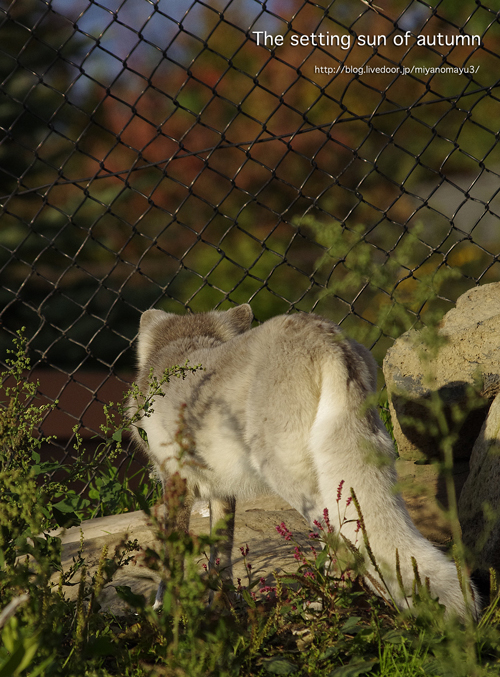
280, 408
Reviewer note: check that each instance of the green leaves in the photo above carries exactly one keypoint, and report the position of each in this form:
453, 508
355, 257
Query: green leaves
279, 666
355, 668
18, 650
350, 625
143, 434
64, 515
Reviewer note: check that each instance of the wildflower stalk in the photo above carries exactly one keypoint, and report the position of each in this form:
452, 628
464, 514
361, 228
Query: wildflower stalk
80, 611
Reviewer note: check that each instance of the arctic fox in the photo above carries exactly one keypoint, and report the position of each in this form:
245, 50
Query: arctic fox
281, 408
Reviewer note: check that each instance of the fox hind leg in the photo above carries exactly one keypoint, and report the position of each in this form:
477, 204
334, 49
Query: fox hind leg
221, 553
181, 523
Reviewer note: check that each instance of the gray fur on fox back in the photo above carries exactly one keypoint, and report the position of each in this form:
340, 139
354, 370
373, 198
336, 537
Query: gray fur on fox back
281, 408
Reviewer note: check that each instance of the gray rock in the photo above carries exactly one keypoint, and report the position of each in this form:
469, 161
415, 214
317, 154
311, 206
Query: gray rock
467, 364
425, 493
479, 502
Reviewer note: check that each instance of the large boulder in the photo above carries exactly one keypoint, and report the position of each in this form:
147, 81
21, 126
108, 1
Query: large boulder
480, 498
465, 365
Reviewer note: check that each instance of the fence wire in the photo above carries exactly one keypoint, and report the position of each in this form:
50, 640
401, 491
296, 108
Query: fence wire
195, 155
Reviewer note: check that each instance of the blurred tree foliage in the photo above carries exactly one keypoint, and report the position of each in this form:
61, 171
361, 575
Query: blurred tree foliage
205, 170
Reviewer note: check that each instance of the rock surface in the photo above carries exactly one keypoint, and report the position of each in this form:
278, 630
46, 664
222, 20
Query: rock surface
482, 535
471, 354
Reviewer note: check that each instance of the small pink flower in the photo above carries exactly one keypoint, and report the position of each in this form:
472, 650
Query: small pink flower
205, 567
309, 574
297, 554
244, 550
339, 491
326, 517
318, 524
283, 531
348, 502
267, 588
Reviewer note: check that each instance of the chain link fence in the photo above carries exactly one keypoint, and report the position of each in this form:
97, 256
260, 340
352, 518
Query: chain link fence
193, 155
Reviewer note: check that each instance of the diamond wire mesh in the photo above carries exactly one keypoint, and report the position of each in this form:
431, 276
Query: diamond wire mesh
175, 154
